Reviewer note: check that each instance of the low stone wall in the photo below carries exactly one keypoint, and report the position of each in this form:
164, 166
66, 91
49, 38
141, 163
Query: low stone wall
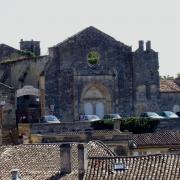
38, 128
169, 125
81, 136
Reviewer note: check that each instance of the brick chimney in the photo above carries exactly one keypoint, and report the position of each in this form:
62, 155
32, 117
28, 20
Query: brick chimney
15, 174
65, 158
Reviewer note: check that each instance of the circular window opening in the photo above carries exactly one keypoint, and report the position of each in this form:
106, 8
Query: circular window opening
93, 57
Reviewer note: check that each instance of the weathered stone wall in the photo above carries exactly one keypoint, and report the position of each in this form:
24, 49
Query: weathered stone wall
73, 73
145, 79
170, 101
105, 83
52, 71
128, 81
59, 128
7, 100
7, 51
25, 71
169, 125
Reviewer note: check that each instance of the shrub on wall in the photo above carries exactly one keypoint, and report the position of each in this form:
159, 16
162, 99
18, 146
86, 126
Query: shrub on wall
131, 124
139, 125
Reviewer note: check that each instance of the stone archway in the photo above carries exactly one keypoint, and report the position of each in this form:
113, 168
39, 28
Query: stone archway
27, 105
27, 90
95, 99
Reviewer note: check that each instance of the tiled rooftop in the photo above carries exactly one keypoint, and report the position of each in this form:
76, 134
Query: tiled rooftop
34, 161
156, 139
94, 132
42, 161
169, 86
98, 149
151, 167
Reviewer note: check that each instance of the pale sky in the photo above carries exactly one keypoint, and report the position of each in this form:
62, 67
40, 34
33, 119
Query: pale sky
52, 21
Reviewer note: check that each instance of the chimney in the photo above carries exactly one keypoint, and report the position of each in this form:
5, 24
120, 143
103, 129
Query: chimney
65, 158
15, 174
148, 45
141, 45
80, 158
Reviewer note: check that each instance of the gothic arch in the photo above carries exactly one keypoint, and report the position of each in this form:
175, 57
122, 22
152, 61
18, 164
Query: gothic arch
98, 86
96, 96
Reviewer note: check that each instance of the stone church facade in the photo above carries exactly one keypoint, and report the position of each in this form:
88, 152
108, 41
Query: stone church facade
120, 81
89, 73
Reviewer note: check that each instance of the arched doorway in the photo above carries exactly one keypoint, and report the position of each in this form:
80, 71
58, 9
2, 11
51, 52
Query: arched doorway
27, 105
95, 99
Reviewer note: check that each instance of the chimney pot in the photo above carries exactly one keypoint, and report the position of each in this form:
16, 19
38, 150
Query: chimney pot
148, 45
15, 174
141, 45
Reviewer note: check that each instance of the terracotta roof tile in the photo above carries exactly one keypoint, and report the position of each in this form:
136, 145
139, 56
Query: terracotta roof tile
98, 149
71, 176
42, 161
154, 139
94, 132
34, 161
169, 86
151, 167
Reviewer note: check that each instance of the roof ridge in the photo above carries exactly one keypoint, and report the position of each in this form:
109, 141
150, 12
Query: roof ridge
3, 44
139, 156
86, 29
